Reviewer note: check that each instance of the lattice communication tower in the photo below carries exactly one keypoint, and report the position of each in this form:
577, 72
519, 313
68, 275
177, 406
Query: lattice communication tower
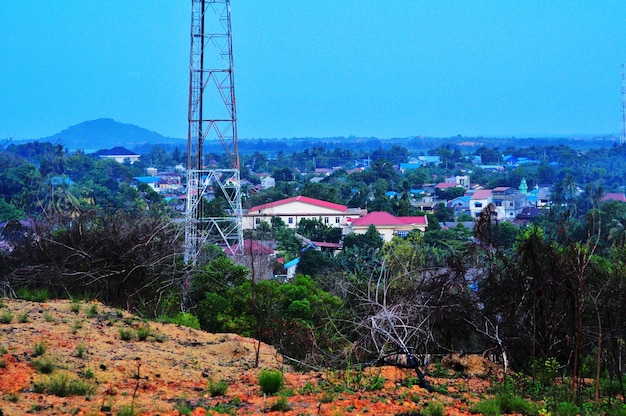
212, 116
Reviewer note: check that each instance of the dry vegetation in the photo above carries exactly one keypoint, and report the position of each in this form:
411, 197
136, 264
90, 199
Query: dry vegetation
62, 357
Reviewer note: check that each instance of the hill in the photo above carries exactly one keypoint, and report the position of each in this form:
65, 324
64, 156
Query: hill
167, 370
105, 133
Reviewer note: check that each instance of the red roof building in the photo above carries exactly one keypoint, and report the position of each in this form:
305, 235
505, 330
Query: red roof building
293, 210
387, 224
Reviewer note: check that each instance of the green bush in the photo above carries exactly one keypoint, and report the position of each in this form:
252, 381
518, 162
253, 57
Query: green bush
271, 381
618, 410
75, 305
127, 410
281, 405
217, 388
126, 334
64, 385
40, 348
143, 332
511, 403
6, 317
434, 409
488, 407
567, 409
44, 365
92, 310
186, 319
80, 350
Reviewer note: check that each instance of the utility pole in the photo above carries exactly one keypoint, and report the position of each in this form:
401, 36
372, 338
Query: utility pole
212, 116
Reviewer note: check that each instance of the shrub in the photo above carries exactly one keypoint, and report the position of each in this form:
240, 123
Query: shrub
92, 310
76, 325
126, 334
75, 305
64, 385
271, 381
23, 318
281, 405
183, 409
6, 317
127, 410
44, 365
80, 350
143, 332
48, 317
511, 403
186, 319
39, 295
217, 388
618, 410
567, 409
434, 409
489, 407
40, 348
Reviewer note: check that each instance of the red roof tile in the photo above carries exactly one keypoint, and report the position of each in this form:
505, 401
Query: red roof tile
446, 185
385, 218
481, 194
303, 199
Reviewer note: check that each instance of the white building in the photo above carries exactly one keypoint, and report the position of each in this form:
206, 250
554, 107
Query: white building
293, 210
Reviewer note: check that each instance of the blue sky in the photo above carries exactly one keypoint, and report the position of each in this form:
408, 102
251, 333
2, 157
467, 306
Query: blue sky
392, 68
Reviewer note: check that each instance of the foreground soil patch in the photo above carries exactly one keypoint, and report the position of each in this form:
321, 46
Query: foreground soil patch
165, 369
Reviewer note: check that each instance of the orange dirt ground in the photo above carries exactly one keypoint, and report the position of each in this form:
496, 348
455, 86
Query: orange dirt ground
170, 371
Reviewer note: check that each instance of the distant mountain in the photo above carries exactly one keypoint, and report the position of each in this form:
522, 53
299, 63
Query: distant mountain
105, 133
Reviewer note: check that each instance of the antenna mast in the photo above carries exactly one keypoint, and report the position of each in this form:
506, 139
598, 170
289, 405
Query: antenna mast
212, 116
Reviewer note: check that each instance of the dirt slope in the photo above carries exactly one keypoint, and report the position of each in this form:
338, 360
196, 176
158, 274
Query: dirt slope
170, 369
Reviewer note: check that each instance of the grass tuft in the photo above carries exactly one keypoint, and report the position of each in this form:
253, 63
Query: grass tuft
271, 381
40, 348
126, 334
217, 388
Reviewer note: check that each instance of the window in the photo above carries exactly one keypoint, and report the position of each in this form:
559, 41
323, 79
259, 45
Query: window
290, 220
510, 204
478, 204
498, 203
257, 221
326, 220
402, 234
337, 220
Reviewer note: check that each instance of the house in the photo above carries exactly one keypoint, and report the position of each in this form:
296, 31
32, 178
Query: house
293, 210
460, 205
151, 181
120, 155
386, 224
478, 201
508, 202
527, 215
462, 181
